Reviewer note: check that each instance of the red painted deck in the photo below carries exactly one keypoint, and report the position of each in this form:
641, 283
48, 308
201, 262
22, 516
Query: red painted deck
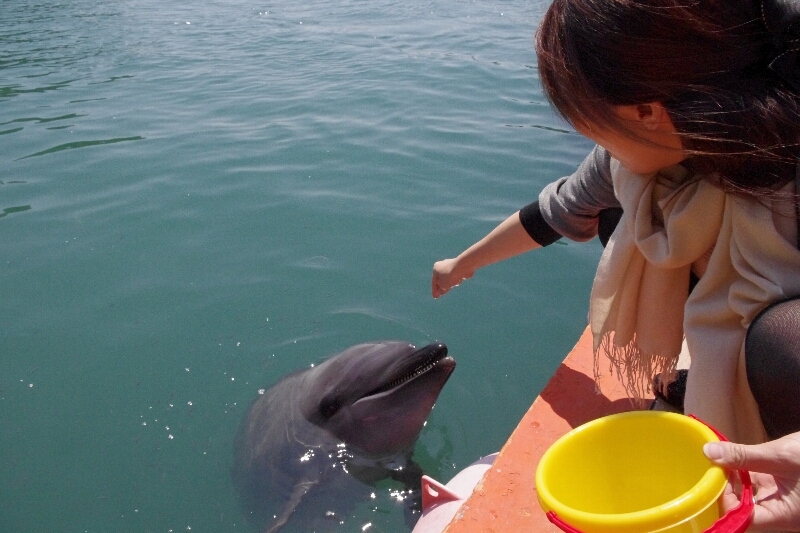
505, 499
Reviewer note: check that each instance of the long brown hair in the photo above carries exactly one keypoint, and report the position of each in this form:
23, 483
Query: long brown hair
706, 61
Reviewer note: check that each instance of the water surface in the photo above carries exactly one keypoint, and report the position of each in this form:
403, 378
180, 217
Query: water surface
198, 199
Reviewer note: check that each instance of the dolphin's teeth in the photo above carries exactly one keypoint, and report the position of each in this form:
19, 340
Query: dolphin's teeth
411, 375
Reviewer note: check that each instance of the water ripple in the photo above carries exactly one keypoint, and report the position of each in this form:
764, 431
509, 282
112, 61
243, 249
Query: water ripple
10, 91
17, 209
39, 120
81, 144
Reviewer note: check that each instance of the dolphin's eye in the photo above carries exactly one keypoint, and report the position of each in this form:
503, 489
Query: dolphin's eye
329, 406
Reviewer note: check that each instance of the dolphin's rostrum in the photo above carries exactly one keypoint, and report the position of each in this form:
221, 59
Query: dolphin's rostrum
356, 416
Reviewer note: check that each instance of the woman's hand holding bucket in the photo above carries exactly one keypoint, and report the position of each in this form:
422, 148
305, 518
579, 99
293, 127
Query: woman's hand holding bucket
775, 472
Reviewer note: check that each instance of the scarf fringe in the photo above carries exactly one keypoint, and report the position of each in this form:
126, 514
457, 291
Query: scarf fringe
634, 368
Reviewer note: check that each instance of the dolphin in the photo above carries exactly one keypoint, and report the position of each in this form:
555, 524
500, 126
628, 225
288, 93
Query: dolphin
347, 422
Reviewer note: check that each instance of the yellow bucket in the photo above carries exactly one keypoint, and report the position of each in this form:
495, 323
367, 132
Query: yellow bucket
636, 472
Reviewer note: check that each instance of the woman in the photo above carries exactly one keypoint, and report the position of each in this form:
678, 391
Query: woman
695, 108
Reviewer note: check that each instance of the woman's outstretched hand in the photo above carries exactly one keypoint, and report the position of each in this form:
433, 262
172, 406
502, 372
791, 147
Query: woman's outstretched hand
775, 471
508, 239
447, 274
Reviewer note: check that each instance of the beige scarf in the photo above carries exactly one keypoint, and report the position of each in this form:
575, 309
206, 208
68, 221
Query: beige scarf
639, 311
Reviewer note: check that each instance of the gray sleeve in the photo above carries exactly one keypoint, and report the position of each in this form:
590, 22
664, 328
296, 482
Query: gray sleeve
571, 205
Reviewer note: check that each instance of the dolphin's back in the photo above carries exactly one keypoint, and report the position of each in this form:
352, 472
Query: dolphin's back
276, 449
265, 443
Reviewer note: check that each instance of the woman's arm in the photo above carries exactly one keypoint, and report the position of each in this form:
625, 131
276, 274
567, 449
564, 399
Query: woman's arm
570, 206
508, 239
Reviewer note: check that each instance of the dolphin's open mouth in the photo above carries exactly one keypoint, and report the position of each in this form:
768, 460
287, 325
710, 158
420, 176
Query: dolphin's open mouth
426, 359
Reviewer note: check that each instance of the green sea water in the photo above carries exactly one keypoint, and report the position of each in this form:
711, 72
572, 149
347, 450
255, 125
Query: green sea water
198, 198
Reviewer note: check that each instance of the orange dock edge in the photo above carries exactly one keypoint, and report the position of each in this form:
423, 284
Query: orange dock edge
505, 499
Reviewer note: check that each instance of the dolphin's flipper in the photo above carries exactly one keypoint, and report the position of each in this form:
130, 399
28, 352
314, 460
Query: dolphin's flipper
410, 475
299, 491
411, 478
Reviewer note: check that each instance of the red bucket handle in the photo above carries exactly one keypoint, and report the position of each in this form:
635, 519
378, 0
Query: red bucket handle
560, 524
737, 520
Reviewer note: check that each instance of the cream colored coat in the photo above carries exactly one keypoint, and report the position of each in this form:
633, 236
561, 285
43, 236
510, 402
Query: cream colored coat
747, 257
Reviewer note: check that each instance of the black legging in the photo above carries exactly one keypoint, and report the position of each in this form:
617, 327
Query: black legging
772, 358
772, 355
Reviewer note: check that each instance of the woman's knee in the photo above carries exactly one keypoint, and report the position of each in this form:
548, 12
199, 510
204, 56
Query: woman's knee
772, 357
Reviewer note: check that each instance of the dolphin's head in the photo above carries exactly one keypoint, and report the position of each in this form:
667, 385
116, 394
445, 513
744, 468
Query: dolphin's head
376, 397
